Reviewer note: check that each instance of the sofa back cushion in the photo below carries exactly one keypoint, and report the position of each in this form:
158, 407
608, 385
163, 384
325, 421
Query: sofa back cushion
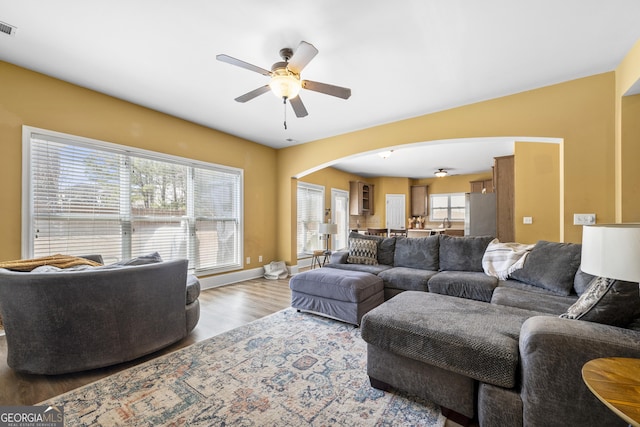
462, 253
551, 266
422, 253
386, 246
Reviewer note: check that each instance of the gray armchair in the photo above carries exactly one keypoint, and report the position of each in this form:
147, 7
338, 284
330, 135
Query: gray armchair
68, 321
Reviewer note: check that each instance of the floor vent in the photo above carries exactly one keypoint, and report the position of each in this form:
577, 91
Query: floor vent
7, 29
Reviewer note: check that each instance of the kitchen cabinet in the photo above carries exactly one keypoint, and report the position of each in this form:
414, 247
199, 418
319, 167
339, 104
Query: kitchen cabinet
504, 179
360, 198
478, 186
419, 200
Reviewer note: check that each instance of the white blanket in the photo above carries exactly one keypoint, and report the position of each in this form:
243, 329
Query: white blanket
502, 259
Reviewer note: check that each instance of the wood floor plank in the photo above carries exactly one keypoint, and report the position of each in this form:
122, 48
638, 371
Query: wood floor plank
221, 309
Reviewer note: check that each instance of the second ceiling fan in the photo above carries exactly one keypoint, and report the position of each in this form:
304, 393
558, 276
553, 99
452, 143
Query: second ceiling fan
285, 78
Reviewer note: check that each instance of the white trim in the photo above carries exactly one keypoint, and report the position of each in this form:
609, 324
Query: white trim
229, 278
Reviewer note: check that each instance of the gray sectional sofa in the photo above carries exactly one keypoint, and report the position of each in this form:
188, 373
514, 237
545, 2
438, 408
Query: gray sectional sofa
67, 320
494, 350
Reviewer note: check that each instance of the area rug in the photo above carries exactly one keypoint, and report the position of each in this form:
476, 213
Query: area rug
287, 369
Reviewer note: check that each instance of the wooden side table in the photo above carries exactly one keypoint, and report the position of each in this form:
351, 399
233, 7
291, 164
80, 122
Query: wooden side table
616, 382
315, 260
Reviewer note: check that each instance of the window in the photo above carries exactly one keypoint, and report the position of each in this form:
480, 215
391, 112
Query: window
340, 216
451, 206
89, 197
310, 202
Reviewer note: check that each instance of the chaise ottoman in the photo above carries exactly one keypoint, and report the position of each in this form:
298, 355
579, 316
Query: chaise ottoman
340, 294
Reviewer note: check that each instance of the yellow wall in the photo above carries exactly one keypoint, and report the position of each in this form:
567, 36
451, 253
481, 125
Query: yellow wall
581, 112
627, 174
537, 191
630, 170
29, 98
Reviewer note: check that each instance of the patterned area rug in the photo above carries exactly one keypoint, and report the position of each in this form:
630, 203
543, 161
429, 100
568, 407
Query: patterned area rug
287, 369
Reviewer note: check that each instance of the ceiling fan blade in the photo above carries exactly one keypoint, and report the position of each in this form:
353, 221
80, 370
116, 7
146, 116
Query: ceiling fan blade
233, 61
302, 56
254, 93
298, 107
340, 92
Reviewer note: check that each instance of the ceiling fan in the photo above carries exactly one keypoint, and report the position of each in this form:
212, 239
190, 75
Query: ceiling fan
285, 78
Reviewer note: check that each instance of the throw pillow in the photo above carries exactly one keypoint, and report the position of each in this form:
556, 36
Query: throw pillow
551, 266
363, 251
386, 246
151, 258
608, 301
582, 281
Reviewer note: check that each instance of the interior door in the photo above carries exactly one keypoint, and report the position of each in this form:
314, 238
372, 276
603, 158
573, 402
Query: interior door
396, 211
340, 216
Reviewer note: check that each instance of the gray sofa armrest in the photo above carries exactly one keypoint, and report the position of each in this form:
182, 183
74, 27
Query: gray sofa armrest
552, 352
339, 257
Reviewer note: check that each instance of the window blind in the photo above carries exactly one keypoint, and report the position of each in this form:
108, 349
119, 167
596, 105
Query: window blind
310, 201
100, 198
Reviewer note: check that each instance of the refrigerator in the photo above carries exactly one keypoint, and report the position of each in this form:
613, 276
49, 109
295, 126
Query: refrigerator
480, 214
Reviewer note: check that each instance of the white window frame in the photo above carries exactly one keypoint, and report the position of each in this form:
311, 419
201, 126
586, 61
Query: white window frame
28, 195
449, 206
320, 212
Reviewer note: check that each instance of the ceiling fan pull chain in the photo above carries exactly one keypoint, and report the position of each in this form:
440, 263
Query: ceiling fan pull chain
284, 102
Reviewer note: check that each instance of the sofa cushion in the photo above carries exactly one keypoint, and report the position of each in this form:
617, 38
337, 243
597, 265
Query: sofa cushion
551, 266
386, 246
351, 286
362, 251
407, 279
462, 253
538, 300
607, 301
464, 284
471, 338
581, 281
422, 253
193, 288
373, 269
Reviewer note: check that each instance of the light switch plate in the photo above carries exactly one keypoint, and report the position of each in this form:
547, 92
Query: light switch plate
584, 219
527, 220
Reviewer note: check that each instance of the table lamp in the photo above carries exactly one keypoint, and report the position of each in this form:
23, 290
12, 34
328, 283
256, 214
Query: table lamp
612, 251
327, 230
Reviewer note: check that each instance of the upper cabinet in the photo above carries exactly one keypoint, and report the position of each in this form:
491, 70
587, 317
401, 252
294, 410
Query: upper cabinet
360, 198
485, 186
419, 200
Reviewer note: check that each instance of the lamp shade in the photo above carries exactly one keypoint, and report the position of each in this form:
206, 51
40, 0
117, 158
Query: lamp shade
326, 228
612, 251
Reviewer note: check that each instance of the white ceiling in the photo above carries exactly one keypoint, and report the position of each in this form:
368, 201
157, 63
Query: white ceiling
400, 59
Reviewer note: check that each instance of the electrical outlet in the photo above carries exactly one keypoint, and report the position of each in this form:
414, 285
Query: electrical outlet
248, 260
584, 219
260, 258
527, 220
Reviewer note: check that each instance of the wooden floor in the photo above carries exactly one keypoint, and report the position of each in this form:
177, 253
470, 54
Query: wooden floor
221, 309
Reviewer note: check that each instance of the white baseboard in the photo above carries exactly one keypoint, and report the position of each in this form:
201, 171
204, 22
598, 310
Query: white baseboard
229, 278
240, 276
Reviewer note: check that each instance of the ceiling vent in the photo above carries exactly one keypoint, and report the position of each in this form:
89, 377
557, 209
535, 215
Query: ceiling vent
7, 29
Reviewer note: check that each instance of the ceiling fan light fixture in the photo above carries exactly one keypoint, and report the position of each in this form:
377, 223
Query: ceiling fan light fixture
285, 84
441, 173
